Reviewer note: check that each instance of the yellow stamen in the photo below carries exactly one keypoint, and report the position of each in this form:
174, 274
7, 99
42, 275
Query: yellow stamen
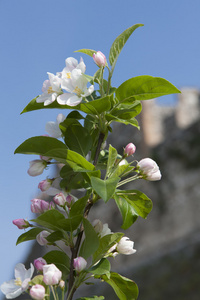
77, 91
68, 75
18, 281
50, 90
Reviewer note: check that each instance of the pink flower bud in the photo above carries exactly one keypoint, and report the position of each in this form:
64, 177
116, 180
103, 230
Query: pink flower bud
41, 238
125, 246
45, 158
52, 275
129, 149
62, 284
149, 169
39, 263
44, 185
37, 292
79, 264
99, 59
70, 200
37, 167
39, 206
21, 223
60, 199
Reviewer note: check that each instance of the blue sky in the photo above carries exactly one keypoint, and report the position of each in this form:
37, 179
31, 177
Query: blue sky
37, 36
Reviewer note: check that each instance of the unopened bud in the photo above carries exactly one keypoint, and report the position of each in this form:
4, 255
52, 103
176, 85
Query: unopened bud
39, 206
44, 185
21, 223
37, 292
60, 199
79, 264
129, 149
37, 167
39, 263
149, 169
99, 59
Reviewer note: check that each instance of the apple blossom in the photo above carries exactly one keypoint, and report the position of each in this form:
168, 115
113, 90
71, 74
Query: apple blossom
129, 149
21, 223
76, 86
71, 64
51, 89
79, 264
99, 59
39, 206
44, 185
53, 127
17, 286
36, 167
37, 292
125, 246
52, 275
39, 263
41, 238
149, 169
60, 199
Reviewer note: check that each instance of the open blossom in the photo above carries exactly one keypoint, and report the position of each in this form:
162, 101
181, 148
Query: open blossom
39, 206
52, 275
17, 286
41, 238
51, 89
149, 169
125, 246
76, 86
53, 128
79, 264
39, 263
37, 167
37, 292
99, 59
71, 64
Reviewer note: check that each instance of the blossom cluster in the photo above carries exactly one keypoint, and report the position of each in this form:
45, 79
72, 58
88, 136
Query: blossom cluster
68, 87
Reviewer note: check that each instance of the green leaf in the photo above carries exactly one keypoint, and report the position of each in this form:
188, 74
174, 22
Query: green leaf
97, 106
141, 204
103, 267
119, 43
40, 145
60, 259
110, 118
127, 112
50, 219
144, 87
112, 156
78, 139
78, 207
55, 236
124, 288
29, 235
79, 160
128, 213
93, 298
70, 224
104, 188
37, 280
122, 170
105, 243
89, 52
91, 241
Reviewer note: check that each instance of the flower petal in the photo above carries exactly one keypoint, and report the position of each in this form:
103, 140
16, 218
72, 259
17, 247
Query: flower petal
69, 99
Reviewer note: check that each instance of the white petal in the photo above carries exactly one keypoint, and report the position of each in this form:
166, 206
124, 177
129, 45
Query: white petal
89, 91
71, 63
53, 129
60, 118
69, 99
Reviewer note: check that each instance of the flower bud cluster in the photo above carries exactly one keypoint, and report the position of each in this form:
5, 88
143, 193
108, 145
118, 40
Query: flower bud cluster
39, 206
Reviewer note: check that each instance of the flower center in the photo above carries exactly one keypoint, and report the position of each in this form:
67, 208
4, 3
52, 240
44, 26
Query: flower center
77, 91
68, 75
50, 90
18, 281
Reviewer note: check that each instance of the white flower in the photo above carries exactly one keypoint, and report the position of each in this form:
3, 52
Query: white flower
149, 169
17, 286
53, 128
76, 86
71, 64
52, 274
125, 246
101, 228
36, 167
51, 89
